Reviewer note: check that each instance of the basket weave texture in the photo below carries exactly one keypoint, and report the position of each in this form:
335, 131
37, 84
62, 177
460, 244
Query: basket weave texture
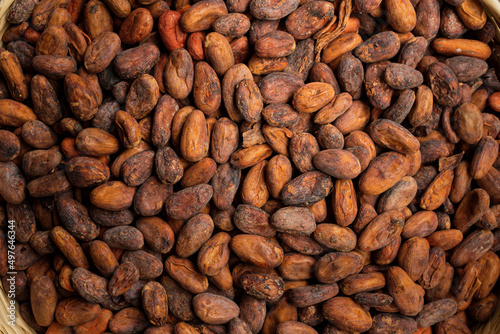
4, 7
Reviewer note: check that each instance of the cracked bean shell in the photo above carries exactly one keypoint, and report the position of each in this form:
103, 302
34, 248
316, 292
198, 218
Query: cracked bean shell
307, 189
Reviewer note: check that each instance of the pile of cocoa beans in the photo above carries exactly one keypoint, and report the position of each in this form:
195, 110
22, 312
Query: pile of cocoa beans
176, 166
